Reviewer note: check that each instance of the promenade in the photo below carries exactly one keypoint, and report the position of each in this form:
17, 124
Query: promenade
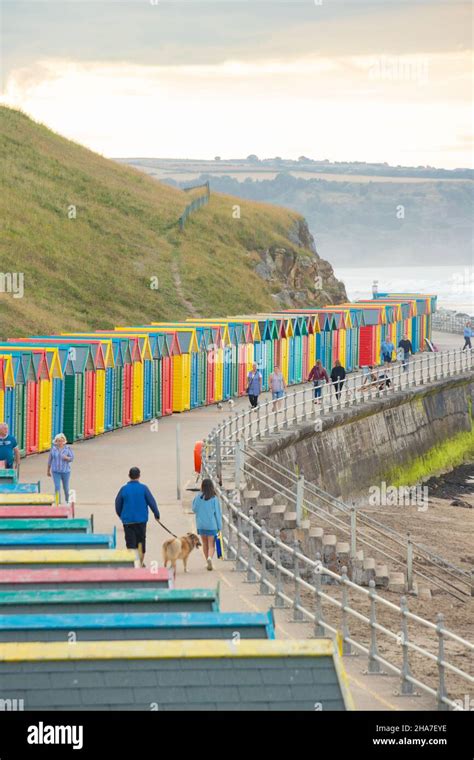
101, 467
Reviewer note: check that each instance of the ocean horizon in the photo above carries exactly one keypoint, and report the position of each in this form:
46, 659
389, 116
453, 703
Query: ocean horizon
454, 285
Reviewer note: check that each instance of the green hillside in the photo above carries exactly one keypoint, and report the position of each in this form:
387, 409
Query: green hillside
95, 270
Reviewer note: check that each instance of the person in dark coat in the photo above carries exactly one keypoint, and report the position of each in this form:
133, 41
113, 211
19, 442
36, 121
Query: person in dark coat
407, 348
318, 375
338, 376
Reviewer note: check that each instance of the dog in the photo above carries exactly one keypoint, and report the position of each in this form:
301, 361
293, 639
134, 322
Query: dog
179, 548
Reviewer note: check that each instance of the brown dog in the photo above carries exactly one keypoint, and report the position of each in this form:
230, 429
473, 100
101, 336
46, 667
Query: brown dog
179, 548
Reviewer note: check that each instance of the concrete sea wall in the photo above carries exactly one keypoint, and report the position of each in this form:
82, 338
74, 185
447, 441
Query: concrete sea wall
362, 445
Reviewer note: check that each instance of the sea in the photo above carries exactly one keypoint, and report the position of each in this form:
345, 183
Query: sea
454, 285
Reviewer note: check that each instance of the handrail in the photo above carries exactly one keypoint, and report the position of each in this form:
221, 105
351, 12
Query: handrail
345, 509
247, 541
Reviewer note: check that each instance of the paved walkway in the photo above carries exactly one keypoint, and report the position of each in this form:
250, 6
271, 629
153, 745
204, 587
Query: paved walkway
101, 467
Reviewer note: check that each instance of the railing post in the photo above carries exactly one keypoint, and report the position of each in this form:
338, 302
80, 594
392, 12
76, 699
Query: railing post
441, 670
239, 565
239, 463
329, 404
276, 419
285, 420
353, 532
406, 685
251, 557
218, 458
297, 614
278, 583
226, 531
319, 630
409, 563
373, 664
299, 500
263, 561
346, 647
259, 424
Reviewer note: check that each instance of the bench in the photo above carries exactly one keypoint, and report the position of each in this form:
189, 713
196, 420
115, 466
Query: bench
49, 558
26, 500
75, 600
52, 513
20, 487
134, 626
134, 578
8, 476
175, 675
56, 540
46, 525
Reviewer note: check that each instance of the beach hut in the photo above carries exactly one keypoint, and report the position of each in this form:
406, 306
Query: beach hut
20, 406
81, 362
370, 336
139, 378
7, 380
10, 366
186, 344
48, 368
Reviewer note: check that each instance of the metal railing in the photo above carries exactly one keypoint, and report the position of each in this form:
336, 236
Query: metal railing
287, 573
359, 529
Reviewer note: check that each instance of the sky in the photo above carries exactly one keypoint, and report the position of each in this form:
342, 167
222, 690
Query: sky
385, 80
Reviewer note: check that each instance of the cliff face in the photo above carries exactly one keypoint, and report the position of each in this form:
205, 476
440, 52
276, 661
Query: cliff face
307, 279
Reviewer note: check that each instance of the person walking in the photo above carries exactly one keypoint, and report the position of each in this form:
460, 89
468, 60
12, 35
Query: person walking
131, 504
387, 349
407, 348
338, 377
207, 510
277, 386
9, 451
59, 466
318, 375
467, 336
254, 385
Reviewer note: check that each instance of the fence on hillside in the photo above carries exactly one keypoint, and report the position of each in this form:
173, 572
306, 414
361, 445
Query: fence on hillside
196, 203
283, 571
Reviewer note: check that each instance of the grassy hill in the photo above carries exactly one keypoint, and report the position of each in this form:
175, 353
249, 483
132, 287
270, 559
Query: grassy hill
91, 265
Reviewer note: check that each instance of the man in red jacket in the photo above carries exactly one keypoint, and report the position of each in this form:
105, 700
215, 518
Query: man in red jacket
318, 375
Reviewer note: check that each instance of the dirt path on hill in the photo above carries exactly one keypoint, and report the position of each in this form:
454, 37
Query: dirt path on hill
179, 289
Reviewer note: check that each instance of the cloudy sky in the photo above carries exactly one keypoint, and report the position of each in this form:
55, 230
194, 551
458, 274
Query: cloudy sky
383, 80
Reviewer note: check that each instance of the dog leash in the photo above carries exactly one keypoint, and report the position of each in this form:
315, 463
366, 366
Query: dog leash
167, 530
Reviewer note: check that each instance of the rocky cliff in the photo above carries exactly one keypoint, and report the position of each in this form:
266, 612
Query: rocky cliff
307, 279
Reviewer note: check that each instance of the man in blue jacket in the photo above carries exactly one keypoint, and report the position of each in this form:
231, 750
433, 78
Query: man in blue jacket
387, 348
131, 504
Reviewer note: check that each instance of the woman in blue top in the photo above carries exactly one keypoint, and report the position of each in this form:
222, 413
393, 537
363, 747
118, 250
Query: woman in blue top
59, 465
207, 509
